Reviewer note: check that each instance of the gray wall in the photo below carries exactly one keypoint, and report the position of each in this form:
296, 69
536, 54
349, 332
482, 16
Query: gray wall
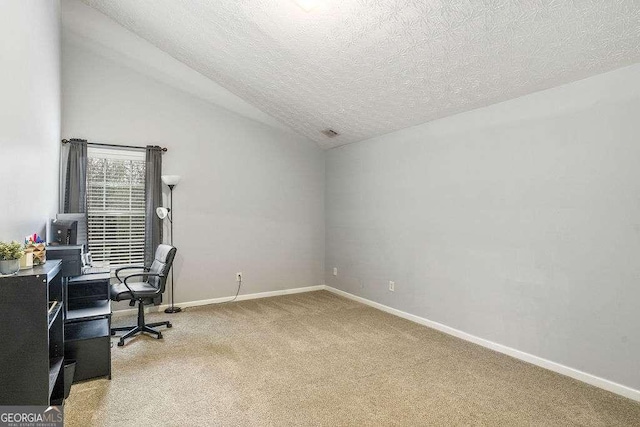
518, 223
251, 197
30, 115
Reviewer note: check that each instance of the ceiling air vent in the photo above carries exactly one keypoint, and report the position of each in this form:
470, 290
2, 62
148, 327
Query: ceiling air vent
330, 133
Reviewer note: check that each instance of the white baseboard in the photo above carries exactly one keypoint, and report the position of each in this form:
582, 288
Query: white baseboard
156, 308
593, 380
535, 360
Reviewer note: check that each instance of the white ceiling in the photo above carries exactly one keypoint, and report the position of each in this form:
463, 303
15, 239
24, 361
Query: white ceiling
369, 67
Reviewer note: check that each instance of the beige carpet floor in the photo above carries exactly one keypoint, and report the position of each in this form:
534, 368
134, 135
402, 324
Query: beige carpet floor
318, 359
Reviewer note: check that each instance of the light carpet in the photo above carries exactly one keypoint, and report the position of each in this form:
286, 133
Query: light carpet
319, 359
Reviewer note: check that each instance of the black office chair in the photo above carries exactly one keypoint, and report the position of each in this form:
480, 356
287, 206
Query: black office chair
152, 284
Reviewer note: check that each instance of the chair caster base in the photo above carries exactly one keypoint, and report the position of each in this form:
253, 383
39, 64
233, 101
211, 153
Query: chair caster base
140, 328
135, 330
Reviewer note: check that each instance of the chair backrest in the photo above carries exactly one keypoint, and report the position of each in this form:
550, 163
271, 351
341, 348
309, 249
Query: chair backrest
162, 262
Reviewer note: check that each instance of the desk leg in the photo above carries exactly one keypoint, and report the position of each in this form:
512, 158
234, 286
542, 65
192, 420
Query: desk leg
110, 347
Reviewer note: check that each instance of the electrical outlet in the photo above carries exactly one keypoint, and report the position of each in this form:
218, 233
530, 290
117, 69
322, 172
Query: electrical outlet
335, 271
392, 285
239, 277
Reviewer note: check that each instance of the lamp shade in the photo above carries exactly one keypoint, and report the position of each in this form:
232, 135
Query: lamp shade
171, 179
162, 212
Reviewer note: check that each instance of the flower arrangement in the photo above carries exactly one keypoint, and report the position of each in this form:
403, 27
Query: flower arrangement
35, 244
10, 251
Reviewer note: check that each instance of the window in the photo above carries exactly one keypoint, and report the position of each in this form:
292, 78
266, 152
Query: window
116, 205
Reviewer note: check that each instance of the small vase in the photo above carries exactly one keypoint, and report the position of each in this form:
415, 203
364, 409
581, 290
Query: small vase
26, 261
10, 266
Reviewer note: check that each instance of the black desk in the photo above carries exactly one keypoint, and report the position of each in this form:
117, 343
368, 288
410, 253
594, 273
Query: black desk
87, 326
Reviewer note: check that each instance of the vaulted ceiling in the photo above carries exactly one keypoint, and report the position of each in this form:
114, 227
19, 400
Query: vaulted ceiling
368, 67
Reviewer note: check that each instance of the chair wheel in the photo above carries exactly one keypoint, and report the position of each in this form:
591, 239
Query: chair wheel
159, 336
169, 325
120, 343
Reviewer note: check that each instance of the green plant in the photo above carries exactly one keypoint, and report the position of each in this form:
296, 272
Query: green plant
10, 251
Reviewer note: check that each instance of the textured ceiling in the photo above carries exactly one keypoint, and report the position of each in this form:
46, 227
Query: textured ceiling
369, 67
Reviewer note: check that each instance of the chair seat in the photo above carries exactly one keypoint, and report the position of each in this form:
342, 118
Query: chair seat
119, 291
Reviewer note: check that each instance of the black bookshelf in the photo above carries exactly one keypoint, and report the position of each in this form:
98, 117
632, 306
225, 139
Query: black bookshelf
32, 336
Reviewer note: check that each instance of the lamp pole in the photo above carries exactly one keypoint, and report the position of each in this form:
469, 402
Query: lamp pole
173, 308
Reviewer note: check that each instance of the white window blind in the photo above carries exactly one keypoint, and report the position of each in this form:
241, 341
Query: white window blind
116, 205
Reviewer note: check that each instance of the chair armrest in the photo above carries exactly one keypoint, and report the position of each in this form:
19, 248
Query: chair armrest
129, 267
133, 294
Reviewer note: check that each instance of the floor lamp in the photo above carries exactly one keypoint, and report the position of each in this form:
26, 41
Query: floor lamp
171, 181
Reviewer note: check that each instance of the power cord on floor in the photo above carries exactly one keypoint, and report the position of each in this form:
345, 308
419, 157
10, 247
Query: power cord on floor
226, 302
237, 292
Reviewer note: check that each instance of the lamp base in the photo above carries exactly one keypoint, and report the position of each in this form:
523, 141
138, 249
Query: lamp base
173, 310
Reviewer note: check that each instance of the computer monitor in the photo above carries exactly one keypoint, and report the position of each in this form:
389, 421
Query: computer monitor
81, 231
64, 232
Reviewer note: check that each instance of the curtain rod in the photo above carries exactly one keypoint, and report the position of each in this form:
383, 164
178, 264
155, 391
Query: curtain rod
100, 144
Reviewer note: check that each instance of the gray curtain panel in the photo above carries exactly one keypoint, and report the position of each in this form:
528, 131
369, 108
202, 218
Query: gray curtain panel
62, 188
73, 170
153, 197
